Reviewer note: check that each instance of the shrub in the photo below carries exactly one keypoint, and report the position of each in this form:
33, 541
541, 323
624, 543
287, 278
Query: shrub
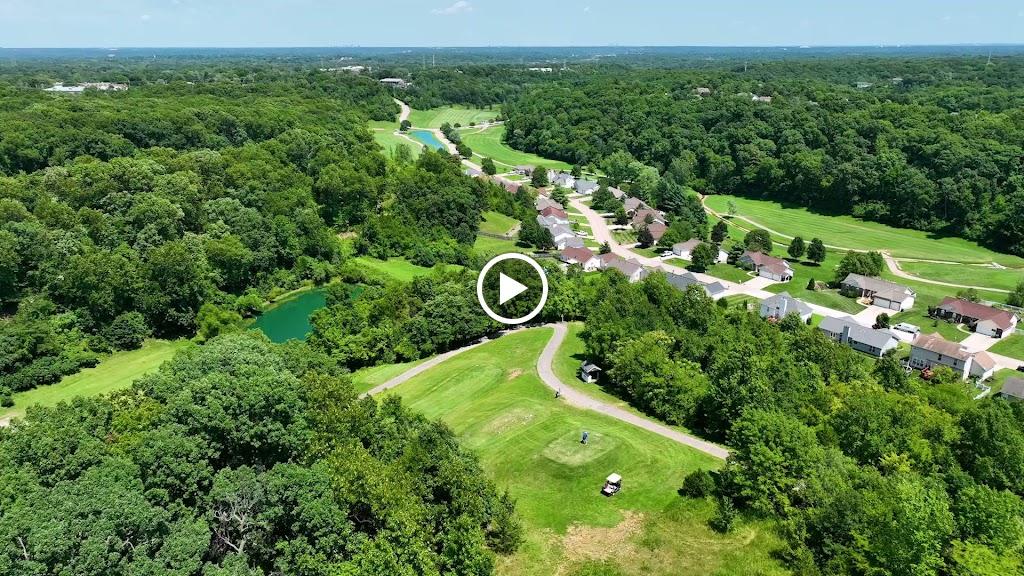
128, 331
698, 484
725, 517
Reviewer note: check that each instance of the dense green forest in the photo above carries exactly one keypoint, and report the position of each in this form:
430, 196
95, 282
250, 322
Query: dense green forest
867, 470
931, 144
242, 457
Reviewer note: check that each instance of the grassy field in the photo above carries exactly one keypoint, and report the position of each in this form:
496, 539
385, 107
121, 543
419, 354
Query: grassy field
804, 272
970, 275
398, 268
497, 223
850, 232
528, 442
488, 144
1012, 346
487, 245
728, 273
367, 379
114, 372
389, 141
1000, 378
453, 115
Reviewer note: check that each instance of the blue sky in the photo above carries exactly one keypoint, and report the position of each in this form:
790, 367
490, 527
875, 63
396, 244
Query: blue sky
258, 23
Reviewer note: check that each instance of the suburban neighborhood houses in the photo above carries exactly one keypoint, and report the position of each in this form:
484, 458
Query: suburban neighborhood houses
982, 319
882, 293
931, 350
766, 266
684, 250
868, 340
781, 305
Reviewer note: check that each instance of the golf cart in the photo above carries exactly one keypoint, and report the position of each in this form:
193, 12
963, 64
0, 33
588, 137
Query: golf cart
612, 485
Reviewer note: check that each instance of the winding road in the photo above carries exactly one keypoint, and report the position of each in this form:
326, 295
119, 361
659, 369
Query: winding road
572, 396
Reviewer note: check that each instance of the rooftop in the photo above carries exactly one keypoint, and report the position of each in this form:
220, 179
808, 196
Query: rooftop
936, 343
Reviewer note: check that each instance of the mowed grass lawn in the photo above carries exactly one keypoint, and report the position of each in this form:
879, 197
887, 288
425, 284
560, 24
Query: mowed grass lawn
1012, 346
495, 246
398, 268
729, 273
804, 272
849, 232
497, 223
529, 443
389, 141
487, 144
453, 115
114, 372
367, 379
983, 276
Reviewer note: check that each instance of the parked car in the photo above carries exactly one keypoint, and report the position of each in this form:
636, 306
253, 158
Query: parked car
908, 328
582, 234
666, 254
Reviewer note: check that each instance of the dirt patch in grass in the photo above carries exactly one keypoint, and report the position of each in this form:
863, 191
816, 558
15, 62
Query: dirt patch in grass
515, 373
597, 543
508, 421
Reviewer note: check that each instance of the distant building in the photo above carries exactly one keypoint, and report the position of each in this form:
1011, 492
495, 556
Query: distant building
618, 194
867, 340
524, 170
702, 92
863, 85
685, 280
473, 173
766, 266
765, 99
395, 83
585, 186
685, 250
632, 269
82, 87
581, 256
541, 69
640, 217
631, 205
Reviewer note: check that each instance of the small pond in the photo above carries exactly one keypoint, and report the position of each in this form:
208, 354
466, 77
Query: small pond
428, 138
291, 318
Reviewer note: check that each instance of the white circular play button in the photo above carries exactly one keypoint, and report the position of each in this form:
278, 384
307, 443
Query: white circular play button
509, 288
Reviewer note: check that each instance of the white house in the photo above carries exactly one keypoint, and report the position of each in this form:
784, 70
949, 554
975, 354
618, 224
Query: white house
931, 350
581, 256
561, 179
684, 250
983, 319
586, 186
781, 305
861, 338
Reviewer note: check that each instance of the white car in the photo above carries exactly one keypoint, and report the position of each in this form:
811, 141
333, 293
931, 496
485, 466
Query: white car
582, 234
908, 328
666, 254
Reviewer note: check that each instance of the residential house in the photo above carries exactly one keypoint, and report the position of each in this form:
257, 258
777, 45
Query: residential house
561, 179
765, 99
589, 372
395, 83
767, 266
545, 202
861, 338
561, 234
1013, 390
511, 187
982, 319
931, 350
702, 91
781, 305
524, 170
581, 256
473, 173
618, 194
640, 217
552, 212
863, 85
586, 186
685, 250
685, 280
631, 205
657, 230
631, 269
888, 295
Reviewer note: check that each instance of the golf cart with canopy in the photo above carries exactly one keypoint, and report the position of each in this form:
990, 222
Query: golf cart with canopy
612, 485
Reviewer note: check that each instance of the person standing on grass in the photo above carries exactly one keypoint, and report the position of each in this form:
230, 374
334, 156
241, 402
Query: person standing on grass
584, 441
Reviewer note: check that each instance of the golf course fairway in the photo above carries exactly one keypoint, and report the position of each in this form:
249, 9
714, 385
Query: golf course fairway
529, 442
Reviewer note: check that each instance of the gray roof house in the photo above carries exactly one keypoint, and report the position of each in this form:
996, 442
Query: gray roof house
781, 305
618, 194
631, 268
682, 281
561, 179
889, 295
585, 186
930, 350
860, 338
472, 173
545, 202
1013, 390
632, 205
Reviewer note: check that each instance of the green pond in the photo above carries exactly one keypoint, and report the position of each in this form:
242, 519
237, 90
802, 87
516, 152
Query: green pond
291, 318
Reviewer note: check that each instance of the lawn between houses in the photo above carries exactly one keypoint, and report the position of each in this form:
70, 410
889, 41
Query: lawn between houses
114, 372
850, 232
528, 442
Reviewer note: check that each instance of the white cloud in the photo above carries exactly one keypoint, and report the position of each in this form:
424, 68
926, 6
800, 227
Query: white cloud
145, 17
458, 7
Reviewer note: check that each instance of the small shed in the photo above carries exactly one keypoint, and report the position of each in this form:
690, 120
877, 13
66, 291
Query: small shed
589, 372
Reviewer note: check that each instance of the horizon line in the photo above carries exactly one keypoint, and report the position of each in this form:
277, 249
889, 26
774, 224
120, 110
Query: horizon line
500, 46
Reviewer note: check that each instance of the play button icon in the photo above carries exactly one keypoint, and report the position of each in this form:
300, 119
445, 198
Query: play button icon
520, 281
508, 288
